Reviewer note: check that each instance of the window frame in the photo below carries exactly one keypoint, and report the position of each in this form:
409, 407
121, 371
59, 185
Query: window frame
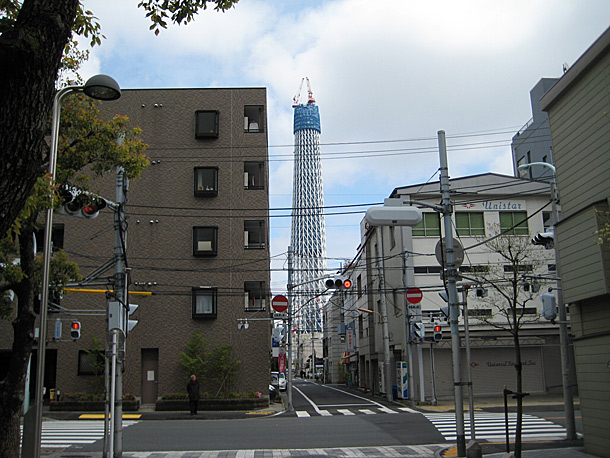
214, 242
469, 230
202, 291
257, 179
258, 110
426, 228
262, 234
88, 355
205, 192
524, 230
214, 133
255, 287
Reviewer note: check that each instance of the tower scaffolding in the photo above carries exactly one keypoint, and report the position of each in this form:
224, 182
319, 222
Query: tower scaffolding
308, 232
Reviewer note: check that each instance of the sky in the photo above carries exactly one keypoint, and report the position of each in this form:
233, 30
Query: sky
386, 76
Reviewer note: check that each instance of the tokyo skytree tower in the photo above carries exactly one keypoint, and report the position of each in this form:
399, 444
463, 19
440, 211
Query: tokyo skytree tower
308, 233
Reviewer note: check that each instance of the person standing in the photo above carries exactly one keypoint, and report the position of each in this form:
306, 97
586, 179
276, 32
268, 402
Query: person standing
192, 388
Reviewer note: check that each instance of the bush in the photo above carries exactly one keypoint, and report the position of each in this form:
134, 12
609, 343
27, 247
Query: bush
173, 396
83, 397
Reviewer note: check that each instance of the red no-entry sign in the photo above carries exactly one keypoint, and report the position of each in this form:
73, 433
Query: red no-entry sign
279, 303
414, 295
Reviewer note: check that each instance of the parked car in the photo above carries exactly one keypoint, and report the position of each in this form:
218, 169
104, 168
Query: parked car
278, 380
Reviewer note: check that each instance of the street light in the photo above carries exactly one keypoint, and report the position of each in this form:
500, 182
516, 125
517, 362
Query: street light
568, 399
99, 87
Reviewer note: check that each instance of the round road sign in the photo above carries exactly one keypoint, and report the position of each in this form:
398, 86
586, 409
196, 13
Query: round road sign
414, 295
279, 303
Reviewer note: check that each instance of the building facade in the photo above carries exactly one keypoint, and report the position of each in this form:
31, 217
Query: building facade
196, 237
578, 106
533, 141
393, 260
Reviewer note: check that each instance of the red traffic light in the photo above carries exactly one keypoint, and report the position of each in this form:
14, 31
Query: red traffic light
76, 325
347, 283
437, 329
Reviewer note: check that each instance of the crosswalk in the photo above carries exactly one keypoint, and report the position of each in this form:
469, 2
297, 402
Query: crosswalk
63, 434
492, 426
371, 410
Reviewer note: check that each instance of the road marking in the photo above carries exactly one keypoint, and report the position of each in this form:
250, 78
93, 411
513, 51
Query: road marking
387, 410
345, 412
302, 413
367, 411
408, 409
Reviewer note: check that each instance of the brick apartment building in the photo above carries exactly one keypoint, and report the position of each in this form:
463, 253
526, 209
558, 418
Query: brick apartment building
197, 238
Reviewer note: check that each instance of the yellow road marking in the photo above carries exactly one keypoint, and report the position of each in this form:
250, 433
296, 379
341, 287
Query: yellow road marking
101, 416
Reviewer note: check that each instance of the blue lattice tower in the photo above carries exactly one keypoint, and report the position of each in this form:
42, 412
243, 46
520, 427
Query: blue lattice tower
308, 234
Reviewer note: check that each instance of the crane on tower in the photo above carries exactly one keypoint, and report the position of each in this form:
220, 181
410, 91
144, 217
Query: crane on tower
297, 98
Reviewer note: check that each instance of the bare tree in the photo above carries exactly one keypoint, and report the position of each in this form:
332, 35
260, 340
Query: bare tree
510, 288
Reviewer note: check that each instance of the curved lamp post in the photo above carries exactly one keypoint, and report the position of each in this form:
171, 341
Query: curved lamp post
99, 87
566, 372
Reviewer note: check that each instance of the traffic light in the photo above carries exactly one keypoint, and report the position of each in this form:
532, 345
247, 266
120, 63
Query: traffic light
547, 239
438, 333
549, 307
75, 330
80, 203
338, 283
131, 323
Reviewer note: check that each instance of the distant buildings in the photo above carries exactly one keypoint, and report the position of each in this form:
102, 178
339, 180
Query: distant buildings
197, 237
404, 257
533, 141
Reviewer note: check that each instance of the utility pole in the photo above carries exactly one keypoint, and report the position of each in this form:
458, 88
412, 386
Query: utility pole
464, 290
384, 319
289, 338
451, 275
118, 314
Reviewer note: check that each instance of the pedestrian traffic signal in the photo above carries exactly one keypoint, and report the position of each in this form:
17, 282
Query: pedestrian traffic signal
438, 333
75, 330
80, 203
549, 306
338, 283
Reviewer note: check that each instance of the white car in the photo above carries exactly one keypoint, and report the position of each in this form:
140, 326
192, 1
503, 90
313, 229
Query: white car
278, 379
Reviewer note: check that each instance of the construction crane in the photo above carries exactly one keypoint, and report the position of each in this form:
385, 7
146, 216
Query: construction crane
297, 98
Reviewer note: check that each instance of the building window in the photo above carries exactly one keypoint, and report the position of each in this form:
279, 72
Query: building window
91, 362
514, 223
427, 270
205, 241
547, 221
204, 302
253, 118
253, 175
523, 173
206, 181
430, 225
469, 223
254, 296
392, 236
206, 123
480, 312
254, 234
57, 238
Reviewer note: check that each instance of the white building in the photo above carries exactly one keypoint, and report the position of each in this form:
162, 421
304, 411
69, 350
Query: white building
404, 257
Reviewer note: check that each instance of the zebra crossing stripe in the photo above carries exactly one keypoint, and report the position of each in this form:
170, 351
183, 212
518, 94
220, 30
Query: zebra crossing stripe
345, 412
367, 411
302, 413
387, 410
325, 413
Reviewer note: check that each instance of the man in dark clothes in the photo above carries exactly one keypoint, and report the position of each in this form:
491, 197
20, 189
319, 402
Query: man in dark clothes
192, 388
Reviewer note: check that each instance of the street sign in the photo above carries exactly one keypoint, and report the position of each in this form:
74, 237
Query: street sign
279, 303
458, 253
280, 315
414, 295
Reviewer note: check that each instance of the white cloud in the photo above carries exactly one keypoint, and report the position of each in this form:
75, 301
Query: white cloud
379, 71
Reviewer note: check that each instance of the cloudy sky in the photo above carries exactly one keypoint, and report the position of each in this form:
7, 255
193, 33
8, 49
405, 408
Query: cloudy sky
386, 76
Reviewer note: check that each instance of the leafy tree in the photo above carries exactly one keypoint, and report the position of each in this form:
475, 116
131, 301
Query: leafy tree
88, 147
215, 369
192, 359
509, 293
98, 363
34, 35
